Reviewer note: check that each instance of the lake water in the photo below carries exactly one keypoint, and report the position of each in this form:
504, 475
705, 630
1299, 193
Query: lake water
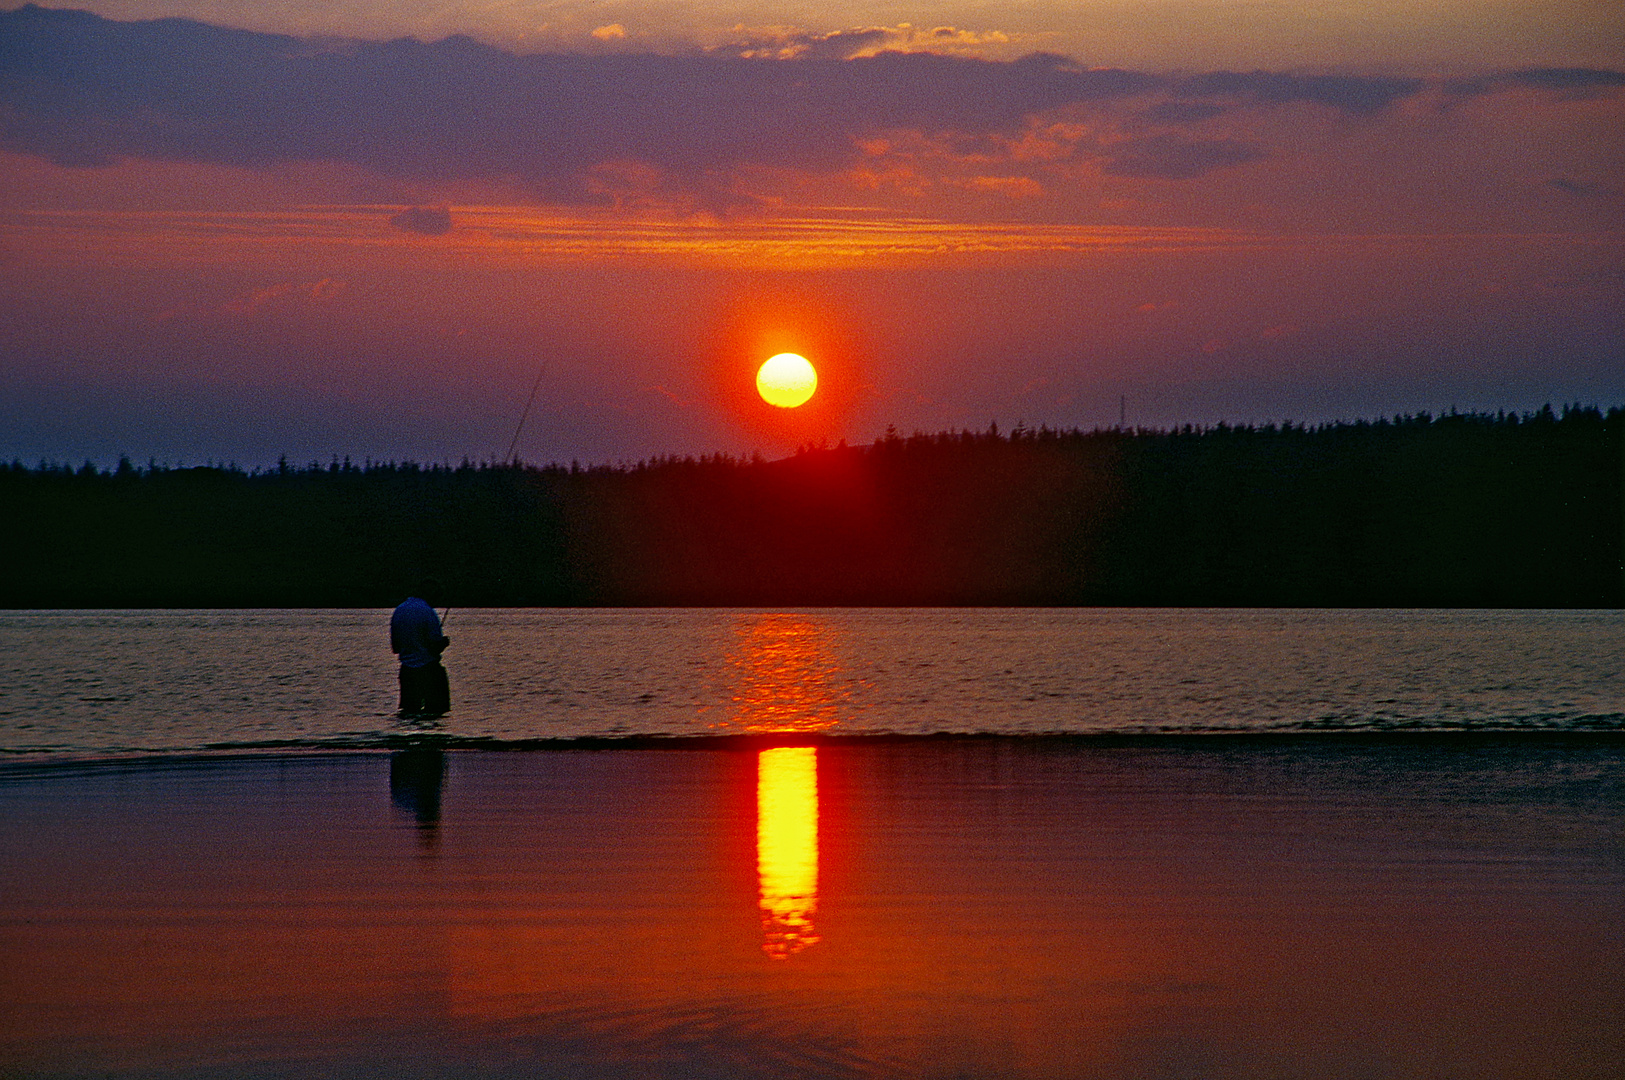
1331, 844
1205, 907
97, 683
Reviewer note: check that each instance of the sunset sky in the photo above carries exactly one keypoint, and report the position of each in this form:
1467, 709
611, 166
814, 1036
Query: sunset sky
321, 228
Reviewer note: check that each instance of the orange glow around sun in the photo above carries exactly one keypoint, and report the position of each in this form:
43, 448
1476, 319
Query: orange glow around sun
754, 321
786, 380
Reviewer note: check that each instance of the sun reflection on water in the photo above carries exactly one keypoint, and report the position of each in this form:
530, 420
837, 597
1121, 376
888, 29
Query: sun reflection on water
788, 680
787, 675
787, 848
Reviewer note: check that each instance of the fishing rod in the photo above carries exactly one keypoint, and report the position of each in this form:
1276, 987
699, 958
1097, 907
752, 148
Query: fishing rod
529, 401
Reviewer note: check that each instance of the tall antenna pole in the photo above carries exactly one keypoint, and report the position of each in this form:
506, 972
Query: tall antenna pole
531, 400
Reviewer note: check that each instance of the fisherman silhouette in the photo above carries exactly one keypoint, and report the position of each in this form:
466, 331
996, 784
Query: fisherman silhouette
414, 633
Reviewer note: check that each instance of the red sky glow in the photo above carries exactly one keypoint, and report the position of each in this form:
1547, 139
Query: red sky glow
288, 229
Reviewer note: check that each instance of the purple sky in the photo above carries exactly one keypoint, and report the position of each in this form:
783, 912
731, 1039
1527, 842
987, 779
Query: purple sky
306, 238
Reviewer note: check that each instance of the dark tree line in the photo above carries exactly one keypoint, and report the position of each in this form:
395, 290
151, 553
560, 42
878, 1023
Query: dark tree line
1456, 510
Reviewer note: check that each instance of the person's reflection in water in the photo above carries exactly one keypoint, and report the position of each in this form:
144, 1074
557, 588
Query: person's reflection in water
415, 777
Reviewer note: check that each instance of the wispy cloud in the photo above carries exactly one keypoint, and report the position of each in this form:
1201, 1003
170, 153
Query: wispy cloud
425, 220
1569, 81
1584, 191
525, 233
523, 236
790, 43
256, 300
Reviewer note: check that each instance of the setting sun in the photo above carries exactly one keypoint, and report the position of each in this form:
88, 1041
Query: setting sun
786, 380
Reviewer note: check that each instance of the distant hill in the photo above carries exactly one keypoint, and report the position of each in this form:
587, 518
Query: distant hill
1456, 510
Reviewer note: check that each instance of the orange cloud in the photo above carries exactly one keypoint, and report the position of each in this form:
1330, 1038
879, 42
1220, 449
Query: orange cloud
1016, 187
796, 43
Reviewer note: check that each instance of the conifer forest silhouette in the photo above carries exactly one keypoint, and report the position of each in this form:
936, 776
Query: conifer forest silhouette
1457, 510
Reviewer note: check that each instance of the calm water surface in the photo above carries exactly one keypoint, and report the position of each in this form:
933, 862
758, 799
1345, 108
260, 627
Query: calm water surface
1307, 906
76, 682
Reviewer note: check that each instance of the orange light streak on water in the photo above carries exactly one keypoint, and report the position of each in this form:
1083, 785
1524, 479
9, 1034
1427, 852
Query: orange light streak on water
787, 848
788, 678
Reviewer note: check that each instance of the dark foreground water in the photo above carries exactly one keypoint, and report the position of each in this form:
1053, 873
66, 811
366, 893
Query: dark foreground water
1355, 906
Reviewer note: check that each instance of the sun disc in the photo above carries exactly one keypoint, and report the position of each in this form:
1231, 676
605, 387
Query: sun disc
786, 380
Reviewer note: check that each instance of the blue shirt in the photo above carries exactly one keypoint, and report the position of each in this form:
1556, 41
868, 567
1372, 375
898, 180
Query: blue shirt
414, 632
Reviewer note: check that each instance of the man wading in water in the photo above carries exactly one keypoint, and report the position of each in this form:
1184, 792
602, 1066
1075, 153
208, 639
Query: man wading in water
414, 632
